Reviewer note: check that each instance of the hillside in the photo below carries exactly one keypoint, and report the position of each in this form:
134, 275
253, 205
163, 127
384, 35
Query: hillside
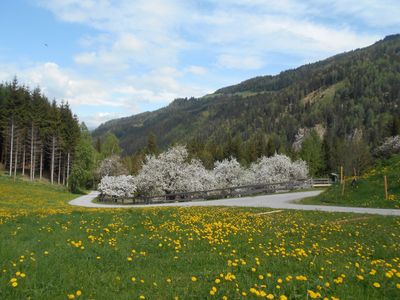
351, 94
369, 190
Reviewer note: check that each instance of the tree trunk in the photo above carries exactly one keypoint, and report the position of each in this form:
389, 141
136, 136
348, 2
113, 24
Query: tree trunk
41, 163
52, 159
59, 169
63, 173
16, 160
68, 167
11, 146
31, 171
23, 162
34, 162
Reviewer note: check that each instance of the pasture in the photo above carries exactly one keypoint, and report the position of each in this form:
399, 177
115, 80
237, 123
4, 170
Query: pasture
50, 250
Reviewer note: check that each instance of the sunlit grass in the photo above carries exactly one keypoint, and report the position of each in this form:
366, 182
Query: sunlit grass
162, 253
369, 190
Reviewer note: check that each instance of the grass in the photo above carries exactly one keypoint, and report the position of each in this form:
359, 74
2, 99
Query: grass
25, 195
369, 191
53, 250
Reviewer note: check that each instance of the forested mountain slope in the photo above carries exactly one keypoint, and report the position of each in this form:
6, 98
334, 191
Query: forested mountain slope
354, 95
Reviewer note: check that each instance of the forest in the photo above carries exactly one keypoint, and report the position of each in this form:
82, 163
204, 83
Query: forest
38, 137
330, 113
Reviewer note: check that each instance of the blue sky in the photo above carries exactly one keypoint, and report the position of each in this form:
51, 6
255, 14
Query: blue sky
110, 59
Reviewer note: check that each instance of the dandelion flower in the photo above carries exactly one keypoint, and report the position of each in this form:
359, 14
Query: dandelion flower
376, 285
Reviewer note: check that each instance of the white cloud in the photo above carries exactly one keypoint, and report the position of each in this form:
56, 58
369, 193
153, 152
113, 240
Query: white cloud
144, 51
95, 119
196, 70
238, 62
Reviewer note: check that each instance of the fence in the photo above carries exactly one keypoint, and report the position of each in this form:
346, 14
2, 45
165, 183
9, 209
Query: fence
237, 191
320, 182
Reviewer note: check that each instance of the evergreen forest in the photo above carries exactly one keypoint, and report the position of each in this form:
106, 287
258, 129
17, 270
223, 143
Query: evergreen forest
330, 113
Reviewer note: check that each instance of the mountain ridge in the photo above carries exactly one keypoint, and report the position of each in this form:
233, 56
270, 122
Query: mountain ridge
364, 82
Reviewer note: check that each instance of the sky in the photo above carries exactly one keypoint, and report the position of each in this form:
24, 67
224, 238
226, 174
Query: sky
110, 59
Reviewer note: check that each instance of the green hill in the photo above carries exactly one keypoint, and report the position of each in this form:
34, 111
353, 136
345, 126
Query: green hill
346, 96
369, 190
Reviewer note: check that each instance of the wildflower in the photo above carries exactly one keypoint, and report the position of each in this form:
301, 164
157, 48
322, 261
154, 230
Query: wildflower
194, 278
313, 294
78, 293
71, 296
376, 285
360, 277
373, 272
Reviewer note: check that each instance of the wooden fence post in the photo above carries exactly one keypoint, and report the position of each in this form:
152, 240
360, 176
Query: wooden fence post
343, 185
341, 174
386, 186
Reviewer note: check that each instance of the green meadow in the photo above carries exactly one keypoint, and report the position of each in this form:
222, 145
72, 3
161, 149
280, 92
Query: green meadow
50, 250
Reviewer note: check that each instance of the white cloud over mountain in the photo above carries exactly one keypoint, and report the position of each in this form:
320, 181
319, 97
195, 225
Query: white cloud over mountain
142, 54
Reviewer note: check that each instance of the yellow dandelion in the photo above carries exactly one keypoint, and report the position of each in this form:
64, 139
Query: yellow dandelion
376, 285
78, 293
194, 278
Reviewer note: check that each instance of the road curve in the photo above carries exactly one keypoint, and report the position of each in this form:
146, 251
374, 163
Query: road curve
279, 201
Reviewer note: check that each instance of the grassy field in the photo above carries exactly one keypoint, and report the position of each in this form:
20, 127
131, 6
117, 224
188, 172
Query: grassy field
50, 250
369, 191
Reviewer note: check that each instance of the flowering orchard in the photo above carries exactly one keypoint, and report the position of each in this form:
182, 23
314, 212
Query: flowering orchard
173, 171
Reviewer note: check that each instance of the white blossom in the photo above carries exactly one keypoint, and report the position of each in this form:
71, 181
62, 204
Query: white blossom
117, 186
278, 168
172, 172
229, 173
391, 145
111, 166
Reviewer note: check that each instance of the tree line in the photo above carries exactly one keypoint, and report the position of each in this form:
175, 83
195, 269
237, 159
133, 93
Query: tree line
38, 137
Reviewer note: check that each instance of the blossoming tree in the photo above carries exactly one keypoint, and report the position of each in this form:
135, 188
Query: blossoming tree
117, 186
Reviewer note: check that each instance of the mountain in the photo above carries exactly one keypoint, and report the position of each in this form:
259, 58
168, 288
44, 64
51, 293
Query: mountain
356, 93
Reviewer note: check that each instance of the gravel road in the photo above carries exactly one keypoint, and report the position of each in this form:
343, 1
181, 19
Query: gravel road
279, 201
